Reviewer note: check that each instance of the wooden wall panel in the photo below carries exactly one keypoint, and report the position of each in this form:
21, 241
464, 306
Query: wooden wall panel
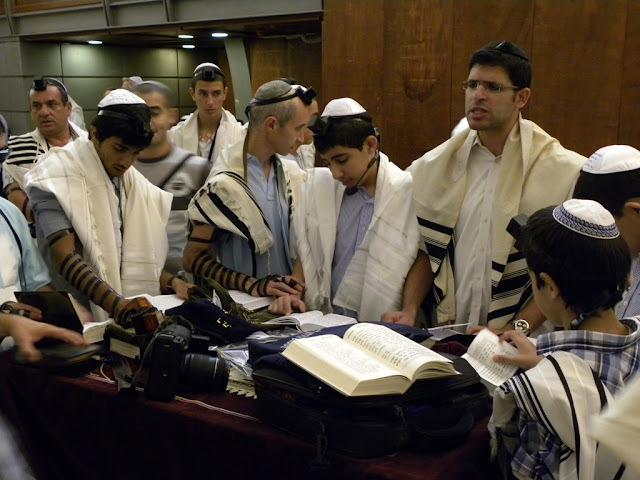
353, 53
270, 59
578, 51
417, 77
629, 126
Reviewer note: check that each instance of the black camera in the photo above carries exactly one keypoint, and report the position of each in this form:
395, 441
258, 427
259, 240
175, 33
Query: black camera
173, 364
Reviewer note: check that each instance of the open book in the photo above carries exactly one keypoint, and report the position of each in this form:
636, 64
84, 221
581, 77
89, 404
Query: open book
311, 321
371, 359
249, 301
480, 357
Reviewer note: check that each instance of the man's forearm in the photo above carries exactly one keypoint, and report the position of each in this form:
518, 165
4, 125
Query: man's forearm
417, 284
532, 314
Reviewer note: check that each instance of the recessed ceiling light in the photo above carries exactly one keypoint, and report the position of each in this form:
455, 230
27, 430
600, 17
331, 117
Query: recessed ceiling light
188, 46
185, 37
219, 34
95, 42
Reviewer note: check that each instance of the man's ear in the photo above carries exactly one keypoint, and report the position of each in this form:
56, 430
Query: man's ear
271, 123
522, 97
371, 144
192, 92
93, 135
633, 205
554, 291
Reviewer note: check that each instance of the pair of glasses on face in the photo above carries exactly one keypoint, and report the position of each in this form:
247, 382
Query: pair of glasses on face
489, 86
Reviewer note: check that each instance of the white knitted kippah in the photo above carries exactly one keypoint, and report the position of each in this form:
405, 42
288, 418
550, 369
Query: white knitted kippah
120, 96
613, 159
342, 107
586, 217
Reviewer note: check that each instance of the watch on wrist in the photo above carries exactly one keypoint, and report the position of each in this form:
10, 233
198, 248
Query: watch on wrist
521, 325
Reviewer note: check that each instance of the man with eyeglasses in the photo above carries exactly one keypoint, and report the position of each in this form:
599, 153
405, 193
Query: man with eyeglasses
50, 110
467, 190
241, 233
210, 128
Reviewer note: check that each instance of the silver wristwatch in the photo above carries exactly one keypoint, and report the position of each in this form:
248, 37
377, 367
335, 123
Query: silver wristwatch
521, 325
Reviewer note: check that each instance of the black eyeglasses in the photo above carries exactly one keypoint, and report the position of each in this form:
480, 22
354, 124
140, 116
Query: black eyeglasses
489, 86
4, 153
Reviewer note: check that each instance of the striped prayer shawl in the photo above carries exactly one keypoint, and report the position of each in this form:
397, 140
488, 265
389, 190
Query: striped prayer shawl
374, 281
535, 171
562, 395
25, 150
226, 202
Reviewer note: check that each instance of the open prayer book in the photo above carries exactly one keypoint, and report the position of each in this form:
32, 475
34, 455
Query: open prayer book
480, 357
311, 321
371, 359
249, 301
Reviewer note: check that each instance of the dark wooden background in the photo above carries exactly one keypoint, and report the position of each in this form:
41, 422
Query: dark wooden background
404, 60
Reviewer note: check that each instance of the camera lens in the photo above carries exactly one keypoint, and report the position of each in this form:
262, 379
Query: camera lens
204, 373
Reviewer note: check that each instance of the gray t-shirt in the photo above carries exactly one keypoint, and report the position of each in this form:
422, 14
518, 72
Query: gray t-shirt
181, 174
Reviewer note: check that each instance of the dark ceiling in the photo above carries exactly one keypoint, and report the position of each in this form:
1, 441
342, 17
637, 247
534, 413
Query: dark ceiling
307, 27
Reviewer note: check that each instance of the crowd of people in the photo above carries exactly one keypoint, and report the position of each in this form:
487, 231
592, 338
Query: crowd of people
306, 207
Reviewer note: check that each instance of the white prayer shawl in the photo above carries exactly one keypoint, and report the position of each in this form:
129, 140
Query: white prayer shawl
619, 426
18, 171
75, 175
535, 171
374, 281
226, 201
185, 134
562, 395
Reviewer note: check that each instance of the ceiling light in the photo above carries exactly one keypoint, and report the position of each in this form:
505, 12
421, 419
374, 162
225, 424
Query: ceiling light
219, 34
188, 46
95, 42
185, 37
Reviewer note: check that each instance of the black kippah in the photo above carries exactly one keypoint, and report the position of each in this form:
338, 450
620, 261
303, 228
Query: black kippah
508, 48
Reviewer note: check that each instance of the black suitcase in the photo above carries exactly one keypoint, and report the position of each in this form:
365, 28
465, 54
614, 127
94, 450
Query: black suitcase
433, 414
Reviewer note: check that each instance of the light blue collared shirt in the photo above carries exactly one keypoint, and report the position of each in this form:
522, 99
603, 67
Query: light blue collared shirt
233, 250
355, 216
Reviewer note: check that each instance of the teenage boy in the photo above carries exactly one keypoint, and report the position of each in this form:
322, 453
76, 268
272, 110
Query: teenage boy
578, 265
241, 217
208, 130
170, 168
356, 226
611, 177
101, 222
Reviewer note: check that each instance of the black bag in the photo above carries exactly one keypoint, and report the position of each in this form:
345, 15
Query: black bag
433, 414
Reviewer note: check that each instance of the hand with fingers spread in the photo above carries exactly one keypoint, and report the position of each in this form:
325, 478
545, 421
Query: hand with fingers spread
277, 286
287, 304
527, 356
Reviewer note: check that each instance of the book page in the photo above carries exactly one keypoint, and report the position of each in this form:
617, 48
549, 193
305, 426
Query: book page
328, 320
393, 349
296, 318
480, 357
336, 362
249, 301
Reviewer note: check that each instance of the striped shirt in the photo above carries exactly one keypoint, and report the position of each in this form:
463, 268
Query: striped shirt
614, 358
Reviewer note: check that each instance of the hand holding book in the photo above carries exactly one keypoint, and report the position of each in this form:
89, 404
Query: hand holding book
526, 357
